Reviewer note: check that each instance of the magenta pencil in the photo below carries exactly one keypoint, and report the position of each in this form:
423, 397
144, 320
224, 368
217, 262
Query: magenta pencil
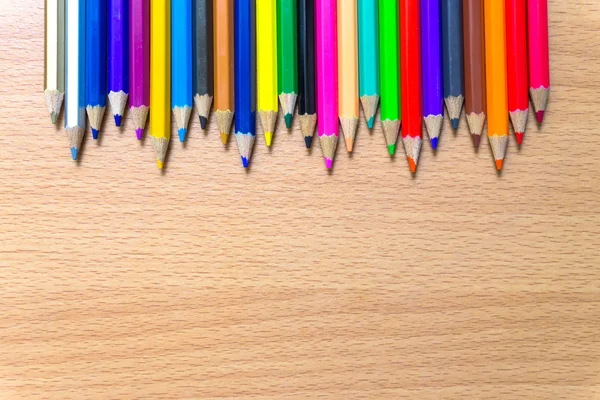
139, 59
327, 82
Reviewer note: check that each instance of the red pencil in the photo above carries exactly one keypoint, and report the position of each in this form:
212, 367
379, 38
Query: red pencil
539, 64
410, 60
516, 51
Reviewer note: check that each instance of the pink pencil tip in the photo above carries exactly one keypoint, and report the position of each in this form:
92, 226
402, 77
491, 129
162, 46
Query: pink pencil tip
328, 163
540, 116
519, 136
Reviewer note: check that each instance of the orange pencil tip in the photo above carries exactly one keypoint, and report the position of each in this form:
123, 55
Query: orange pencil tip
499, 164
412, 165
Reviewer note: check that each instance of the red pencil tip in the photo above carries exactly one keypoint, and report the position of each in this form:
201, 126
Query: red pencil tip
540, 116
499, 164
519, 136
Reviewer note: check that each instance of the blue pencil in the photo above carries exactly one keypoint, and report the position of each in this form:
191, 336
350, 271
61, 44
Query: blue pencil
95, 64
245, 76
181, 64
368, 57
75, 74
452, 48
118, 57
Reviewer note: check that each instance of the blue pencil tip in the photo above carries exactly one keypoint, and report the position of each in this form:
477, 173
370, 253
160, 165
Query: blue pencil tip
434, 143
308, 141
74, 153
454, 122
245, 162
95, 133
118, 119
182, 132
370, 122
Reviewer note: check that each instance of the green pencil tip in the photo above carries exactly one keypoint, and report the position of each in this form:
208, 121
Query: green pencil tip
54, 117
392, 149
288, 120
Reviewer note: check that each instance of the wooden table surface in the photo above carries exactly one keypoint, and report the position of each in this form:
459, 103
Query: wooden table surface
286, 282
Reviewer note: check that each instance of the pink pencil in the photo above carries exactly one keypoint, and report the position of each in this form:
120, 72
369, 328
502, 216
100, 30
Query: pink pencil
139, 58
539, 63
327, 82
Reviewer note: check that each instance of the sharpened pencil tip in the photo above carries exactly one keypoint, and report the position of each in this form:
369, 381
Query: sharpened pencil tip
434, 143
308, 141
519, 136
118, 119
499, 164
476, 139
539, 116
268, 138
224, 138
244, 162
328, 163
74, 152
182, 132
392, 149
95, 133
370, 122
454, 122
160, 164
412, 165
53, 117
288, 120
203, 122
139, 133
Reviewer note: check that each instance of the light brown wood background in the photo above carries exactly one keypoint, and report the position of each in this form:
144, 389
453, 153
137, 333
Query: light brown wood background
207, 282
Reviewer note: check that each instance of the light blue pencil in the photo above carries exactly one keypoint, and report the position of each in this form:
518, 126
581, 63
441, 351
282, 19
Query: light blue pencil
181, 64
368, 57
75, 74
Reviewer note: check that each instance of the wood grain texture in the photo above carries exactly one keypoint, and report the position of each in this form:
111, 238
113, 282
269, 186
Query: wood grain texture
286, 282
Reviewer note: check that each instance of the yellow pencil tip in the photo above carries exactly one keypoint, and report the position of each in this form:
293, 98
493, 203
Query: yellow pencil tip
160, 164
224, 138
268, 138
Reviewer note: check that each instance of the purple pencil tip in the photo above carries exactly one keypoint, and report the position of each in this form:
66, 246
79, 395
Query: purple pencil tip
139, 133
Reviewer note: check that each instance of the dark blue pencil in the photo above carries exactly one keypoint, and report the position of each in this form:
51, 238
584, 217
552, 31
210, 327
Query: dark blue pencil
95, 62
245, 77
452, 48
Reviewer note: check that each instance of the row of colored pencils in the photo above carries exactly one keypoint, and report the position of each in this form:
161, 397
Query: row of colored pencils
408, 57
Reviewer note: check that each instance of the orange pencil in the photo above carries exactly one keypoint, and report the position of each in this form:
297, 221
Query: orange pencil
223, 71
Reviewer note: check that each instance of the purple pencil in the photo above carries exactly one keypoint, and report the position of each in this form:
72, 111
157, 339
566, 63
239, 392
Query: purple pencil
431, 56
139, 67
118, 57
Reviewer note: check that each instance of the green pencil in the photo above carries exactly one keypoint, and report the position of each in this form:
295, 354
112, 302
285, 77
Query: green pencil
287, 58
389, 68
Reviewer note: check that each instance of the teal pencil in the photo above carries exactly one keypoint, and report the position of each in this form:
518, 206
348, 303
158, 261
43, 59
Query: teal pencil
368, 57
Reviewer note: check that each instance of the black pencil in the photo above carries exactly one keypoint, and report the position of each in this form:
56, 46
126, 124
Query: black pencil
307, 107
203, 58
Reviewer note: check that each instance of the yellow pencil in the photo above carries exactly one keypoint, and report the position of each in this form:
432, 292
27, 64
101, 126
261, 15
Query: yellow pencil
160, 77
266, 65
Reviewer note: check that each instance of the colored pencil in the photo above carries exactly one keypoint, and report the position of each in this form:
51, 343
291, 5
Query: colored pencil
431, 53
348, 69
495, 62
75, 74
327, 83
160, 78
139, 57
368, 58
452, 49
245, 77
287, 58
539, 62
202, 56
474, 53
307, 107
266, 65
516, 52
223, 68
410, 37
389, 67
95, 65
181, 64
118, 57
54, 56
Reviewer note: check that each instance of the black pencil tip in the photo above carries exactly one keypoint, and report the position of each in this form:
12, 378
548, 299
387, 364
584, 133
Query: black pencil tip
203, 122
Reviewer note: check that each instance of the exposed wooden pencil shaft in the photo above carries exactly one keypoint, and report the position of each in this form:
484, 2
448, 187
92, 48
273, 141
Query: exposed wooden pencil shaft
203, 104
224, 120
412, 146
369, 105
75, 136
349, 126
539, 98
390, 131
307, 124
54, 100
498, 144
118, 101
245, 143
139, 116
328, 145
182, 116
268, 120
519, 120
476, 121
434, 125
454, 105
95, 115
160, 148
288, 102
